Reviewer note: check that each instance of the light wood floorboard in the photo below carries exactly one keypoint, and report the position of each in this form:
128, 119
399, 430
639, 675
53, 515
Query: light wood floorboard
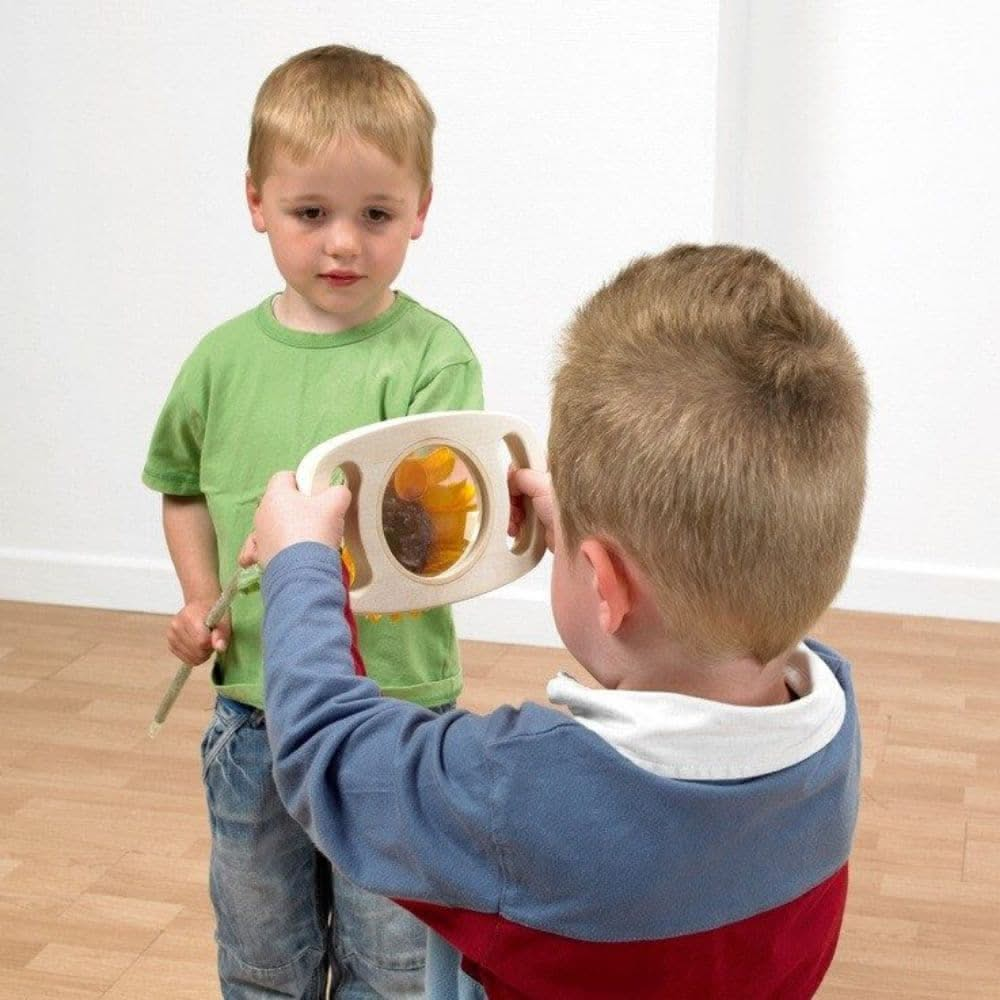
104, 844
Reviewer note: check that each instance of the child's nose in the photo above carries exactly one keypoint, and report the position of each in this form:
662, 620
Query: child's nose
342, 240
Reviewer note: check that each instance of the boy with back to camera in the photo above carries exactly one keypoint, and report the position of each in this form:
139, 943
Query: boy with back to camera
340, 181
685, 831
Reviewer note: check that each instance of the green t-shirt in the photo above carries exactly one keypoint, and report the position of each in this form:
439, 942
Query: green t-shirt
252, 399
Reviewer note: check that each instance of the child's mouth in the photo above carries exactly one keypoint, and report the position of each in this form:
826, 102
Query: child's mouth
341, 279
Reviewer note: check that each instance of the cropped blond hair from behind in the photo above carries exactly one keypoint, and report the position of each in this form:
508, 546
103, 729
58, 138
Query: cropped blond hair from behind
710, 419
333, 92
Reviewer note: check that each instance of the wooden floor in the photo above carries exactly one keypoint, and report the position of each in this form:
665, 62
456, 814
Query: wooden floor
103, 838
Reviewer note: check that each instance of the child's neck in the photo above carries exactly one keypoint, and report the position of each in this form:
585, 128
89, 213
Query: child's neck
666, 666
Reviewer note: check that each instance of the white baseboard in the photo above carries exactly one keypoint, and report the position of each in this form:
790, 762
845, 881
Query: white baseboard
511, 615
122, 583
909, 588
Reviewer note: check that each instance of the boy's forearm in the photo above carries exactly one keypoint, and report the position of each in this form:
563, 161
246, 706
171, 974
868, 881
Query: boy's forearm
190, 536
310, 675
361, 773
315, 703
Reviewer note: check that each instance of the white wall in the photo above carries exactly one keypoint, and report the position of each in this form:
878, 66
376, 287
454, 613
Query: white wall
850, 140
856, 145
569, 141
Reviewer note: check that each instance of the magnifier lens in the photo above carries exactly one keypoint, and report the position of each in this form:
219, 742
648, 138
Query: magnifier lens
431, 510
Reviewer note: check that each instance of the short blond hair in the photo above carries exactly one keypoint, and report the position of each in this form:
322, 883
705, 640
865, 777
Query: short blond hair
334, 91
710, 418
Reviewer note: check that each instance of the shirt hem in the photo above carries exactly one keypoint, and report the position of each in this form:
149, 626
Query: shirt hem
427, 695
167, 484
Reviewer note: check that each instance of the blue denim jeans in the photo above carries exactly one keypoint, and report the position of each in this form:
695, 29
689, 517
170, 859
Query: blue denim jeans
445, 978
285, 918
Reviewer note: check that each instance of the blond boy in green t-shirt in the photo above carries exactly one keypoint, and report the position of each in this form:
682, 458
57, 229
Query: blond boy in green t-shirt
339, 179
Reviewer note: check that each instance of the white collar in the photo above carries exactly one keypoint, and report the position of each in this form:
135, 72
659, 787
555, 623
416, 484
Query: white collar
678, 736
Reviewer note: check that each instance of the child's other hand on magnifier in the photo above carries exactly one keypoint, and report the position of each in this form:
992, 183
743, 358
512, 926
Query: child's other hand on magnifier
537, 487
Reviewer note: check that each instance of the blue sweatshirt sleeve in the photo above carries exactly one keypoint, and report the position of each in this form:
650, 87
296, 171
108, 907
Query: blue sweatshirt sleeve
398, 797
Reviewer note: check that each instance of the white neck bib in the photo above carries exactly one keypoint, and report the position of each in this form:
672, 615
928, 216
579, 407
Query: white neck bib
678, 736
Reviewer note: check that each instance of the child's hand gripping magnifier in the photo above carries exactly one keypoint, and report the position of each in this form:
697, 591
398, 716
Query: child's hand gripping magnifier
430, 511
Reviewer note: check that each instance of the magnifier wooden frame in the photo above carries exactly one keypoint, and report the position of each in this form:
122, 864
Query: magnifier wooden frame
486, 443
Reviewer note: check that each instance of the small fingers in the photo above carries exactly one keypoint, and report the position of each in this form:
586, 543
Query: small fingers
248, 552
187, 637
282, 481
220, 639
530, 482
339, 498
191, 652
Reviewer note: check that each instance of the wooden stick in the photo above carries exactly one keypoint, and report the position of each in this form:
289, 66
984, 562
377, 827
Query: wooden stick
214, 616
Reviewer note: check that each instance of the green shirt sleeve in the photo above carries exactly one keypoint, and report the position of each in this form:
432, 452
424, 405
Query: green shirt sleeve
457, 386
174, 460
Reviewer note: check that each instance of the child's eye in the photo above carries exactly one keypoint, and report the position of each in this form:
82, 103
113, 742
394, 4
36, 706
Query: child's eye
310, 214
377, 215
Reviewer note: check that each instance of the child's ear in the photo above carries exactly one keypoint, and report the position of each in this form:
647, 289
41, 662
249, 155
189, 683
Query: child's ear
253, 203
423, 205
611, 584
